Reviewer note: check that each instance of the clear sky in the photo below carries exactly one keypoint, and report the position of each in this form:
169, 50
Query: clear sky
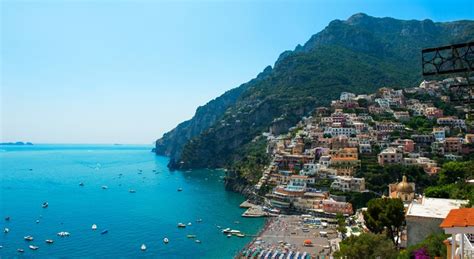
110, 71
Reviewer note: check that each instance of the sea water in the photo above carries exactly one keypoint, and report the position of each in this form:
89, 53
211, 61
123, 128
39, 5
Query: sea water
32, 175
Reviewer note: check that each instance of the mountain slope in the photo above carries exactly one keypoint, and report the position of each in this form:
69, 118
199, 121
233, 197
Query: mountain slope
357, 55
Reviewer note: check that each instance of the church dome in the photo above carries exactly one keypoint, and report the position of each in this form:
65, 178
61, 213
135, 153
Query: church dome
404, 186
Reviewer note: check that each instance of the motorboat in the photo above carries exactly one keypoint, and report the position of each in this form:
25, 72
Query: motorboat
190, 224
32, 247
49, 241
199, 220
233, 231
94, 226
19, 250
229, 235
6, 230
166, 240
63, 234
181, 225
191, 236
104, 232
226, 231
81, 184
143, 247
240, 235
28, 238
7, 218
132, 191
180, 189
45, 205
198, 241
105, 187
37, 221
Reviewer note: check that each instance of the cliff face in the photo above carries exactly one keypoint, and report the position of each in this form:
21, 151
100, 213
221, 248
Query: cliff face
358, 55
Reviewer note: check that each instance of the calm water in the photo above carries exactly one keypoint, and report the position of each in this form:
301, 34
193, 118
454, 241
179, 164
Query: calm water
31, 175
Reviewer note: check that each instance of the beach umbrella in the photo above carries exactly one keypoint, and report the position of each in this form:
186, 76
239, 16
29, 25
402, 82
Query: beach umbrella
307, 242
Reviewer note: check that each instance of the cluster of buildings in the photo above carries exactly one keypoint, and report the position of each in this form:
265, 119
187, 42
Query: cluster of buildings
324, 151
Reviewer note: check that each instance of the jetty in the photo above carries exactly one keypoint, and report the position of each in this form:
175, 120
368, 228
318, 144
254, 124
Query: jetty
253, 210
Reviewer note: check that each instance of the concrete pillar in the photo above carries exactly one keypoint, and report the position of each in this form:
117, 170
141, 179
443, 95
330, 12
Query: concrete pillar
453, 245
462, 245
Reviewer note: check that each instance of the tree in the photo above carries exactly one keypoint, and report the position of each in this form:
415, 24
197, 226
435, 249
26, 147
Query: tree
367, 245
432, 245
341, 223
385, 215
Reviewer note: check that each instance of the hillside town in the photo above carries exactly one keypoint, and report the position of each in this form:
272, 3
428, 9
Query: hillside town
319, 168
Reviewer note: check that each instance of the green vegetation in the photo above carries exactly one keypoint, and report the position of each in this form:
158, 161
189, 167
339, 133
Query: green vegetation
367, 245
252, 165
341, 224
357, 199
433, 244
420, 124
385, 215
452, 182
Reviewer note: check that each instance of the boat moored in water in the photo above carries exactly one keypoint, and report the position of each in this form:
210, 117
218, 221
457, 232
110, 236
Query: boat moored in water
49, 241
226, 231
132, 191
94, 227
32, 247
104, 232
181, 225
45, 205
6, 230
191, 236
28, 238
166, 240
19, 250
64, 234
143, 247
105, 187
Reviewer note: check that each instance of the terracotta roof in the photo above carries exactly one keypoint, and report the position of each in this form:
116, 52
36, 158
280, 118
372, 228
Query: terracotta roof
459, 218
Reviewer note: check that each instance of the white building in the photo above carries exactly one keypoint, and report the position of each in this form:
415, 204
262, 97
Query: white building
347, 184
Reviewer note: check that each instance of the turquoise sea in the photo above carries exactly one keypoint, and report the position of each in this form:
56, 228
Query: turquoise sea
31, 175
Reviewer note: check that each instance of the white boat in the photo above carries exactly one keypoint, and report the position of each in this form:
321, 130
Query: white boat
105, 187
180, 189
64, 234
189, 224
198, 241
199, 220
45, 205
240, 235
19, 250
6, 230
132, 191
81, 184
32, 247
166, 240
37, 221
94, 226
143, 247
181, 225
233, 231
229, 235
226, 231
49, 241
28, 238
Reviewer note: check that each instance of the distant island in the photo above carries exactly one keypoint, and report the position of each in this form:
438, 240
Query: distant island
19, 143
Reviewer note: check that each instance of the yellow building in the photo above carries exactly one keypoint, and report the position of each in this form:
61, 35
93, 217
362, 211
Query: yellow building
402, 190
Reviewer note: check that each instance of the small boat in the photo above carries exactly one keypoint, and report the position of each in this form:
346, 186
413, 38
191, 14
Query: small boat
191, 236
229, 235
45, 205
166, 240
190, 224
28, 238
81, 184
94, 226
63, 234
32, 247
180, 189
199, 220
6, 230
236, 222
233, 231
226, 231
198, 241
49, 241
181, 225
37, 221
105, 187
7, 218
143, 247
19, 250
240, 235
131, 191
104, 232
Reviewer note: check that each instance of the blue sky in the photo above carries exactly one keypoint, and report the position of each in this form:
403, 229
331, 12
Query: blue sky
128, 71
